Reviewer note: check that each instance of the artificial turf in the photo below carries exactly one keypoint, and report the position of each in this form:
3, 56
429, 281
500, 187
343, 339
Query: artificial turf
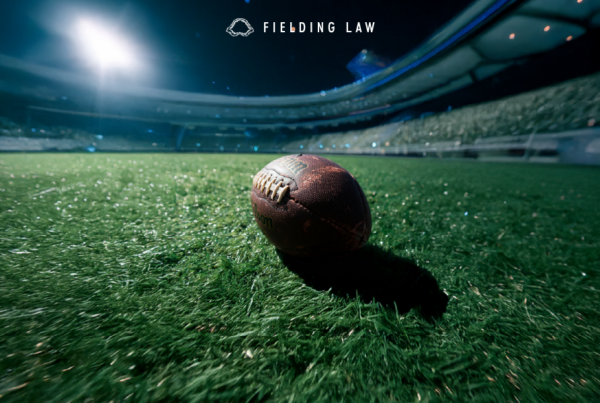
143, 277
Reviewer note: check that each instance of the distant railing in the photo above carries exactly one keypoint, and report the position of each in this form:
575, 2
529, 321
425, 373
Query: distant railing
572, 147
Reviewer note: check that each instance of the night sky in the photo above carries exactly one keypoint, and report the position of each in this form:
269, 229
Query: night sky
183, 45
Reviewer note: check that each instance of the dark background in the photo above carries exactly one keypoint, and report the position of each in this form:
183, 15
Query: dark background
184, 45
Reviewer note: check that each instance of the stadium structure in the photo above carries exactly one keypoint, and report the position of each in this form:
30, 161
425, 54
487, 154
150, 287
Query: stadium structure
48, 109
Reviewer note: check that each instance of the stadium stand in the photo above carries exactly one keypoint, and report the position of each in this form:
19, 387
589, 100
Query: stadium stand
543, 125
568, 106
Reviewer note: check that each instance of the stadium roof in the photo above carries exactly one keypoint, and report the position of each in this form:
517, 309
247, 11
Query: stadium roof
485, 39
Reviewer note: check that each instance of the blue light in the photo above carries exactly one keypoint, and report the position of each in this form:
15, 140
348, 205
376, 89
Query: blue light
374, 145
238, 146
33, 130
320, 145
227, 88
347, 145
252, 133
150, 131
323, 93
486, 14
99, 136
247, 1
333, 146
197, 144
217, 116
91, 149
255, 148
301, 146
466, 213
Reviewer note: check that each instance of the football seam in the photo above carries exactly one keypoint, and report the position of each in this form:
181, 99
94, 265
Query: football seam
332, 223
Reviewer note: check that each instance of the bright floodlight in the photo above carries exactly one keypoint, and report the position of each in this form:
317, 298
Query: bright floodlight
104, 48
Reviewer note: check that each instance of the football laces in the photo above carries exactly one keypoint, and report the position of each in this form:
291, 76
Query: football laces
268, 183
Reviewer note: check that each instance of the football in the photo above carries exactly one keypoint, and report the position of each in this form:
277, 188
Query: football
309, 206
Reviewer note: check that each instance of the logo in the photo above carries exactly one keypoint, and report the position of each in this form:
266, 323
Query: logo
301, 27
231, 32
294, 164
317, 27
264, 220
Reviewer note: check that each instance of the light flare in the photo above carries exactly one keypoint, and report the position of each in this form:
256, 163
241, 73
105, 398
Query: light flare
103, 47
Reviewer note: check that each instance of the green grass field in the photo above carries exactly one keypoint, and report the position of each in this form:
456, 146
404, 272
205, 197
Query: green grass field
139, 277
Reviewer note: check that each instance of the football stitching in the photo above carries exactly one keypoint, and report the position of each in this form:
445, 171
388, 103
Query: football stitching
333, 223
266, 181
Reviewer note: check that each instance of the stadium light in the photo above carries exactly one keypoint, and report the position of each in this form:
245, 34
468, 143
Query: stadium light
103, 47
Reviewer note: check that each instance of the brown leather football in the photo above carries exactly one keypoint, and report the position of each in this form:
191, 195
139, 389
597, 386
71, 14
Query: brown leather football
308, 206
